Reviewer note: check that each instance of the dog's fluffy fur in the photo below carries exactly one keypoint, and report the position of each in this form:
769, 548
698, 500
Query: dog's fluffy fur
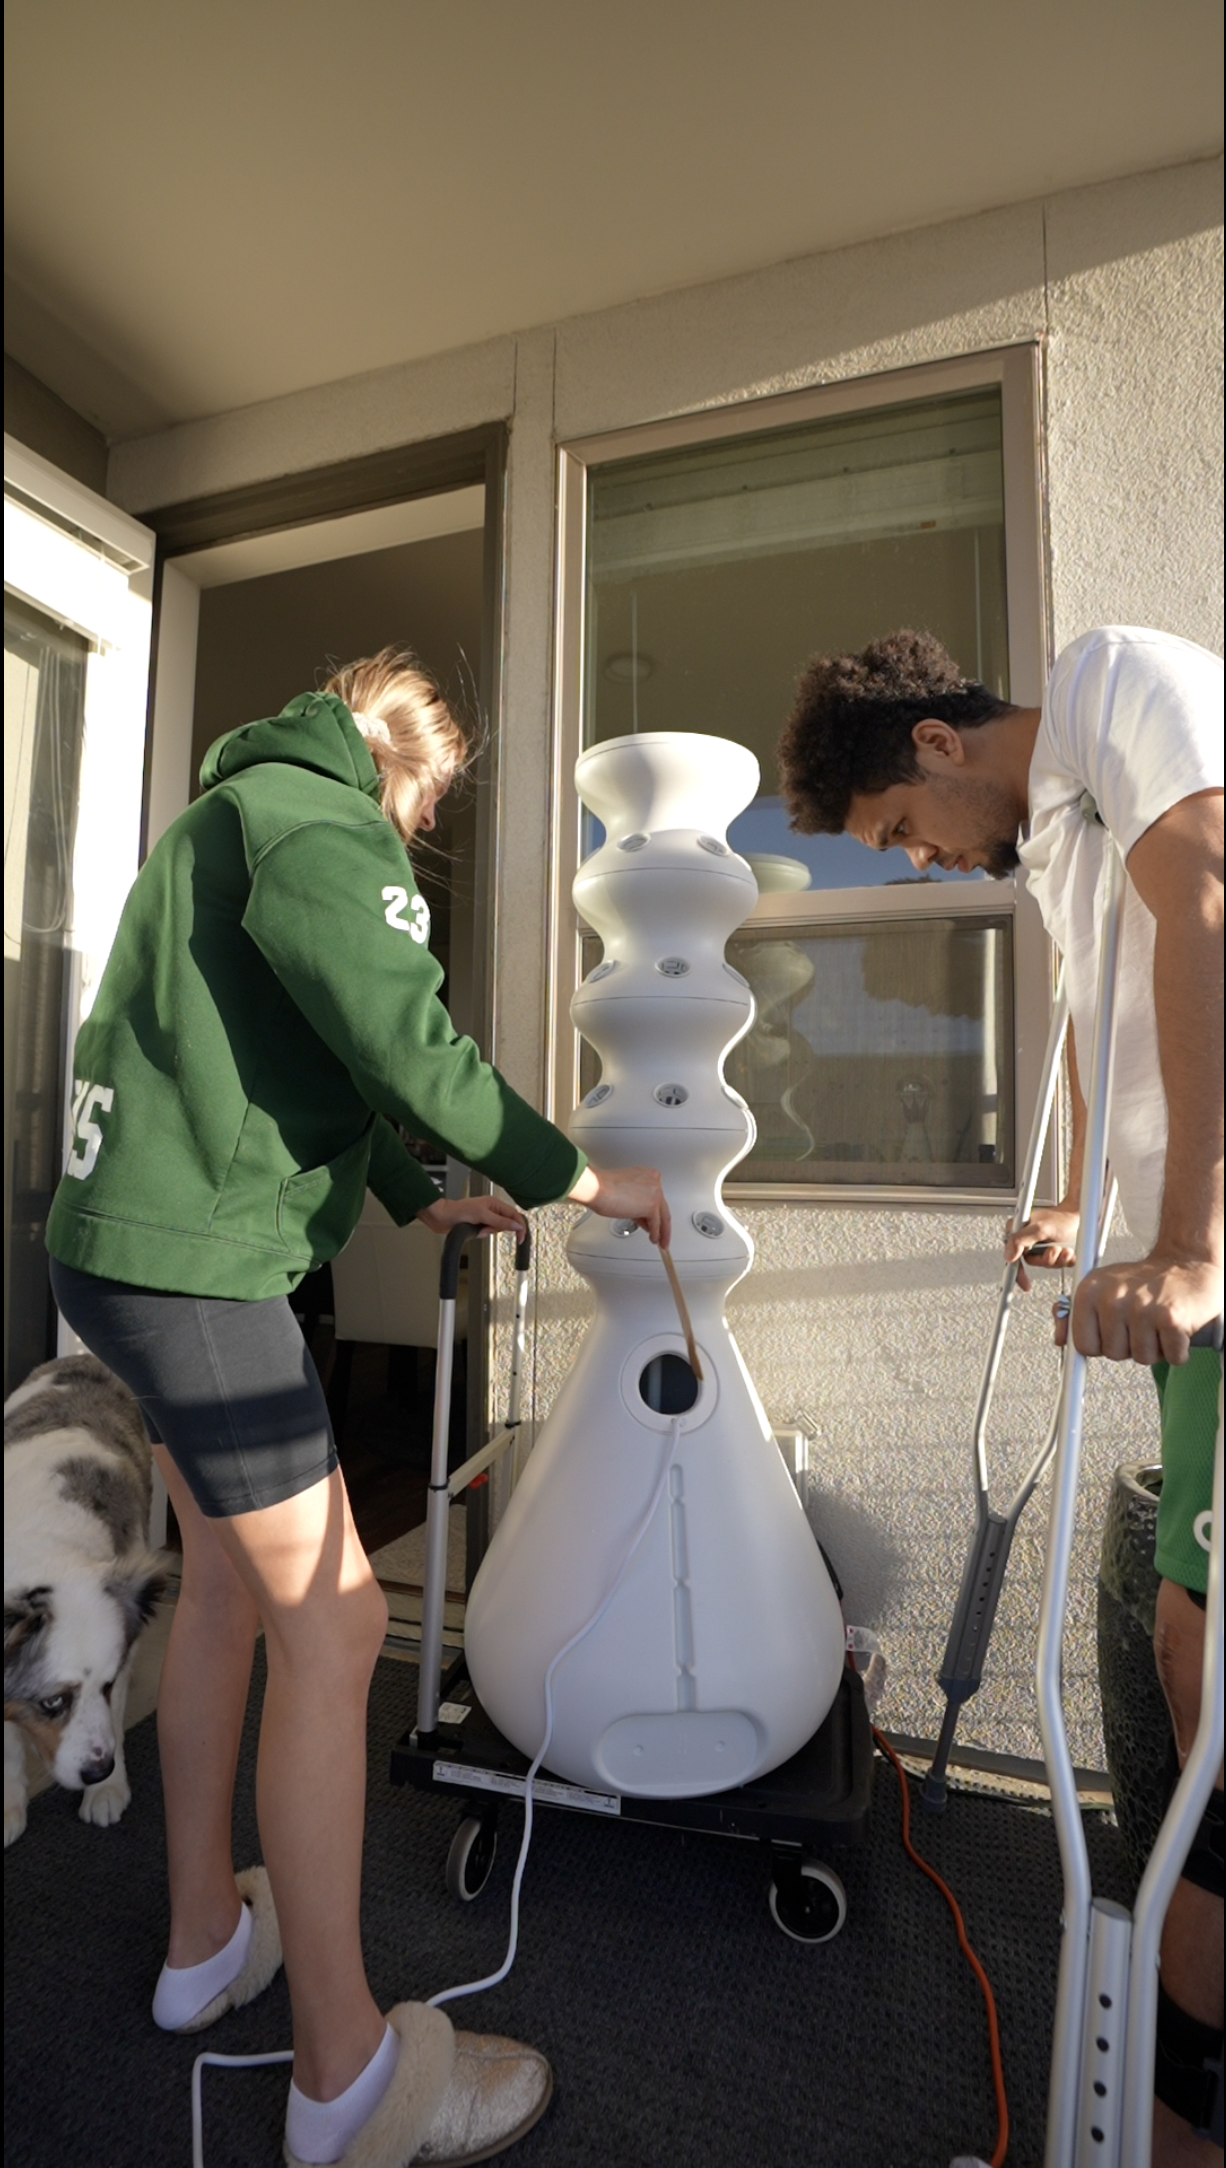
80, 1582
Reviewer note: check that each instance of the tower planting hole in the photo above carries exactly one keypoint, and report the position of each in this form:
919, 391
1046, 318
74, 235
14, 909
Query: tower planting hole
668, 1385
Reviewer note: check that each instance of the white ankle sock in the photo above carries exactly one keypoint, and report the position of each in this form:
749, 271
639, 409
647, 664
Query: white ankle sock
320, 2130
184, 1990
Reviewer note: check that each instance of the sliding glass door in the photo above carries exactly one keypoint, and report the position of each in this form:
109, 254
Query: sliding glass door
44, 721
76, 663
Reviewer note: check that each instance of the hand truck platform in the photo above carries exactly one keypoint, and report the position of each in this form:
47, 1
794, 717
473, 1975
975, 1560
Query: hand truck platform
817, 1801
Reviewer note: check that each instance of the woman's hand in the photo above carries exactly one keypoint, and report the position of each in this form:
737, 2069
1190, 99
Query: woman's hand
493, 1215
635, 1193
1048, 1238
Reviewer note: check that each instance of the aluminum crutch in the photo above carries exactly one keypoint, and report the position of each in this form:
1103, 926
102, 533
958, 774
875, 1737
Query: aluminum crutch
1181, 1821
961, 1672
443, 1487
1100, 2096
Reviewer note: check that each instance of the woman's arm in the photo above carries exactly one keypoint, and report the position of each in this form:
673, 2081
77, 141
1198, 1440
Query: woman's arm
620, 1193
333, 909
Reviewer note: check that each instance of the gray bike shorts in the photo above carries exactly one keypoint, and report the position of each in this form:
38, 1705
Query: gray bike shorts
228, 1388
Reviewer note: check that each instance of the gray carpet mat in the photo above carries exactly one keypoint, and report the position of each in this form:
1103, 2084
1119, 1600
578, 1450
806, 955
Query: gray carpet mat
685, 2030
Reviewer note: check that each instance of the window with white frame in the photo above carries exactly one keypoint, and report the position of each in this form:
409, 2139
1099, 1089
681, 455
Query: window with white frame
899, 1020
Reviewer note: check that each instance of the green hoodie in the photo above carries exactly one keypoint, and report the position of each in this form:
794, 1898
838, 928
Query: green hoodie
269, 1009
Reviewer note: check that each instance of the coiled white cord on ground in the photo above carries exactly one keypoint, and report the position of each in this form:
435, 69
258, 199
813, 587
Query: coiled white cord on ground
493, 1979
221, 2062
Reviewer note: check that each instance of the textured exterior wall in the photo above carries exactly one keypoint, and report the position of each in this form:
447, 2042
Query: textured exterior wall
362, 414
1134, 419
872, 1324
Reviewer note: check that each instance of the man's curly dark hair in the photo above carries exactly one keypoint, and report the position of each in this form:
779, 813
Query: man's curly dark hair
849, 732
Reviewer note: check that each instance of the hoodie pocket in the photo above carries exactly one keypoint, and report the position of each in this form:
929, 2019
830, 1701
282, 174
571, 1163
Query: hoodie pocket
318, 1209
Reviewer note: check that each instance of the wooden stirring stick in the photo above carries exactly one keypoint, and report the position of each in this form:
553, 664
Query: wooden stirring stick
682, 1312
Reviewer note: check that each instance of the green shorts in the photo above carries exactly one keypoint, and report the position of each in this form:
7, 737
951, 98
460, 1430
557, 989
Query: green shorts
1189, 1398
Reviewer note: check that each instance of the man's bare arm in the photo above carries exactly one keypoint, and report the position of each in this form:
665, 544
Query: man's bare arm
1148, 1310
1177, 871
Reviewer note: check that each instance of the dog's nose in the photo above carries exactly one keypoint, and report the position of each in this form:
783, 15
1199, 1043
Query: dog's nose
97, 1768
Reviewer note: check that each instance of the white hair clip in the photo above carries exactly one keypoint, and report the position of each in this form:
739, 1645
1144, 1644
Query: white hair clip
372, 726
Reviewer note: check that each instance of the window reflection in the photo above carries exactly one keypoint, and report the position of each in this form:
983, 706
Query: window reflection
715, 571
879, 1054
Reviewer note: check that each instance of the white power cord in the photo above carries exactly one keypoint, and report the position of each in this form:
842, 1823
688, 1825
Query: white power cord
493, 1979
474, 1987
221, 2062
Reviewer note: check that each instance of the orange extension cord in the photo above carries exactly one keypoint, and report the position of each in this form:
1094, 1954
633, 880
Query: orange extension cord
998, 2072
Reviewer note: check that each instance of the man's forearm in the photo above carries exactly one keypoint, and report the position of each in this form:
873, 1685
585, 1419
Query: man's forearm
1188, 1005
1147, 1312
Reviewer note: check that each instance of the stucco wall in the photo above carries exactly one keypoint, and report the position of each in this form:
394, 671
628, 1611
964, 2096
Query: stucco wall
1134, 424
873, 1322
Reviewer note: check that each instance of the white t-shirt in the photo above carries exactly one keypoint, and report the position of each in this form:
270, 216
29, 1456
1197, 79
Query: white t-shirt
1133, 718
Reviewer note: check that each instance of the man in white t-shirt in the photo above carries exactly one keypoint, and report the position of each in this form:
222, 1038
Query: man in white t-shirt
896, 747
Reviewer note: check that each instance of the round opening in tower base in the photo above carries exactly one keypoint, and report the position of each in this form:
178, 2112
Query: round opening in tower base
668, 1385
659, 1387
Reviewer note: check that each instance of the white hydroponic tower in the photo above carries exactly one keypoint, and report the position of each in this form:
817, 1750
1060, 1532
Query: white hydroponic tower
722, 1650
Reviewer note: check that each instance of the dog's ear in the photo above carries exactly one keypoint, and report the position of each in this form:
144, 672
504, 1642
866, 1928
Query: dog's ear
136, 1590
25, 1616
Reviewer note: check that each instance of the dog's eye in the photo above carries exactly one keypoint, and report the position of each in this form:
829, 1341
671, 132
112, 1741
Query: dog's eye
55, 1705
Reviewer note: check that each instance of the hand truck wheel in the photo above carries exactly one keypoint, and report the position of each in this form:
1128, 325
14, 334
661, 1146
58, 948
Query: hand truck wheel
471, 1857
807, 1901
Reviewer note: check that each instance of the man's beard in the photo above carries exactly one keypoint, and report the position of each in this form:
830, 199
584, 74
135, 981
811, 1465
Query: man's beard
1001, 859
996, 819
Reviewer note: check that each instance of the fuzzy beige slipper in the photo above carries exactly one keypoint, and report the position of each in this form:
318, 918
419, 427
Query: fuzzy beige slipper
455, 2098
499, 2089
263, 1955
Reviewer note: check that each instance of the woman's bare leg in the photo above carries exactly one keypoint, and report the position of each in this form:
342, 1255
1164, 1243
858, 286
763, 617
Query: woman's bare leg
202, 1700
324, 1619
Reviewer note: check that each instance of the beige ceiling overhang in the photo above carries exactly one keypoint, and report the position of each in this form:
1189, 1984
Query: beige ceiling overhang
211, 203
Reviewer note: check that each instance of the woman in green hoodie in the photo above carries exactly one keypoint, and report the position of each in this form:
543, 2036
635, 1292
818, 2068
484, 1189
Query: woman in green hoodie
268, 1015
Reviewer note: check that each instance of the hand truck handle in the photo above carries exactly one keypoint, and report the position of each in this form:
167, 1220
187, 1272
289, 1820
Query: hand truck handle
454, 1247
439, 1495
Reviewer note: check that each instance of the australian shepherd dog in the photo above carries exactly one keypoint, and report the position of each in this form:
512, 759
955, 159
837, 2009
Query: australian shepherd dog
80, 1582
